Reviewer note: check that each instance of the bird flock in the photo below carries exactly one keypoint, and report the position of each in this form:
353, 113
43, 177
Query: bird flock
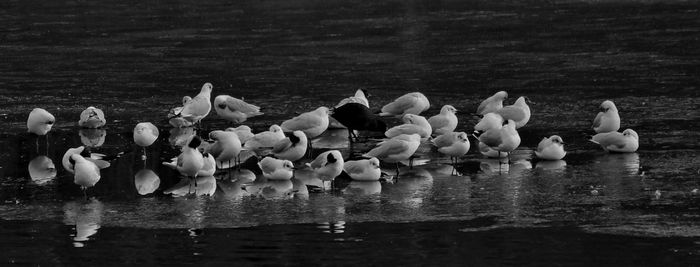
280, 150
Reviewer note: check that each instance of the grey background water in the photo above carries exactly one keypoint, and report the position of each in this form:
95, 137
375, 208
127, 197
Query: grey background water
136, 59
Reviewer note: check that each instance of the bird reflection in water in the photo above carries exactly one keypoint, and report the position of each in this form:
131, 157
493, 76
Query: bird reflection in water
42, 170
86, 216
146, 181
363, 188
332, 227
551, 165
271, 189
206, 186
180, 136
92, 137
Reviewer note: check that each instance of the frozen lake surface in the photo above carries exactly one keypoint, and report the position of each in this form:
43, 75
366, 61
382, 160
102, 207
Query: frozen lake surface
135, 60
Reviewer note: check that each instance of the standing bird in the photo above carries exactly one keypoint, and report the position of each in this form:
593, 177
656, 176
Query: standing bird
363, 170
360, 97
518, 112
356, 116
607, 120
87, 174
208, 168
264, 140
453, 144
195, 109
291, 148
411, 103
551, 148
312, 123
226, 147
625, 142
145, 134
489, 121
244, 133
276, 169
69, 164
92, 117
234, 109
413, 124
445, 122
190, 161
40, 121
493, 103
506, 139
396, 149
327, 166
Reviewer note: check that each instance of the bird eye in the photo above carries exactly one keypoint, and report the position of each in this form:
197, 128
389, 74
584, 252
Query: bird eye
222, 105
49, 122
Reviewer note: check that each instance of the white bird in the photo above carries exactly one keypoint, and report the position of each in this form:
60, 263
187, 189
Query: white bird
627, 141
195, 109
145, 134
327, 165
312, 123
92, 117
208, 168
244, 133
276, 169
359, 97
190, 161
411, 103
551, 148
608, 119
264, 140
87, 174
68, 163
174, 115
363, 170
226, 147
445, 122
489, 121
413, 124
234, 109
291, 148
518, 112
453, 144
40, 121
493, 103
506, 139
395, 150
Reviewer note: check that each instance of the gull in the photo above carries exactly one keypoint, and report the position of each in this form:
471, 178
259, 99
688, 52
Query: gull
360, 97
92, 117
396, 149
327, 166
489, 121
412, 124
453, 144
312, 123
234, 109
444, 122
40, 121
518, 112
356, 116
174, 117
551, 148
411, 103
145, 133
86, 173
69, 164
291, 148
244, 133
190, 161
208, 166
491, 104
195, 109
363, 170
264, 140
506, 139
226, 146
627, 141
276, 169
607, 120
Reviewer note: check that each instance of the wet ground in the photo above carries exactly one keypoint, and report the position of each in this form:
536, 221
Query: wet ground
135, 60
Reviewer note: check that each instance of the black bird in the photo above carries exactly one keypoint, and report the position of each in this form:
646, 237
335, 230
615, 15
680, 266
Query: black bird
356, 116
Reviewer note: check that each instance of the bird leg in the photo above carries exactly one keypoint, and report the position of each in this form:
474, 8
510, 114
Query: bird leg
397, 171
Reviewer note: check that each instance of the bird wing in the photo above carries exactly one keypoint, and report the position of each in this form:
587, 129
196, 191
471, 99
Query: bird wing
352, 99
215, 149
511, 113
543, 144
282, 145
444, 140
198, 106
267, 168
598, 120
491, 138
483, 105
320, 161
303, 121
403, 129
102, 164
400, 104
438, 121
353, 167
180, 159
236, 104
388, 147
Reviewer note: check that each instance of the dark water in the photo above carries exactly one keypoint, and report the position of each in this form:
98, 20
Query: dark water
136, 59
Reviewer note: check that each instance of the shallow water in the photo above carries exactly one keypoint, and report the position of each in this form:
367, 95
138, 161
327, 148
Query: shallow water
136, 60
